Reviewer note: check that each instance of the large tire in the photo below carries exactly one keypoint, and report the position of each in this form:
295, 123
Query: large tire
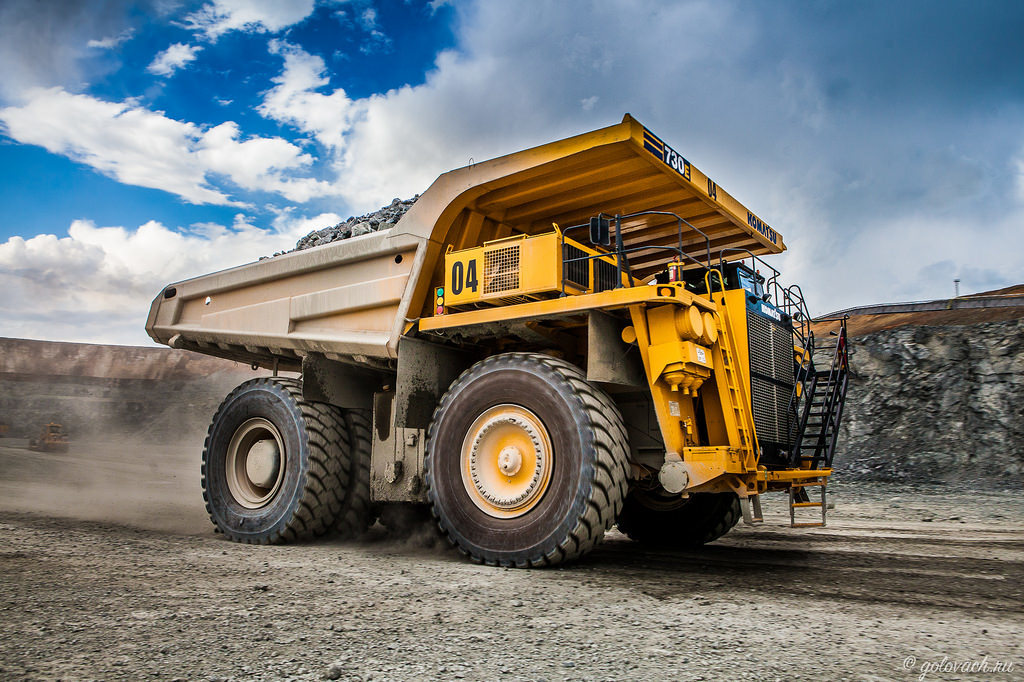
254, 495
673, 522
354, 517
556, 441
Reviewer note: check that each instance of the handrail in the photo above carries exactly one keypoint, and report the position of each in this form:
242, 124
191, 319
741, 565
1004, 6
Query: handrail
622, 254
832, 399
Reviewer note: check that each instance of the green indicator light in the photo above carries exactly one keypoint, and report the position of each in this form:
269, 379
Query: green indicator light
440, 291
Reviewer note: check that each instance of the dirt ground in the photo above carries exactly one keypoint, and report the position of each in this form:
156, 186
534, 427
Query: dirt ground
110, 569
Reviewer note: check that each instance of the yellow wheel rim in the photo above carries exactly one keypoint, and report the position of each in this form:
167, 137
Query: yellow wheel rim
506, 461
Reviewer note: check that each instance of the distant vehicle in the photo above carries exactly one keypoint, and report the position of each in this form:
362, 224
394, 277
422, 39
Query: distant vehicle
51, 439
3, 430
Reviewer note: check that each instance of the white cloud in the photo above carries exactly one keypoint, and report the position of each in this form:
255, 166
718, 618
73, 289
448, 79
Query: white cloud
216, 18
173, 58
368, 18
503, 90
140, 147
912, 259
257, 163
110, 42
294, 98
378, 40
96, 284
436, 5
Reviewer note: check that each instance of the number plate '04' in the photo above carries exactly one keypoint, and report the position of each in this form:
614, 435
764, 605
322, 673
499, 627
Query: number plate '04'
462, 280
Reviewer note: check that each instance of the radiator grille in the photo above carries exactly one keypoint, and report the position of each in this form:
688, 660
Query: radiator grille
577, 271
771, 378
771, 349
501, 269
606, 274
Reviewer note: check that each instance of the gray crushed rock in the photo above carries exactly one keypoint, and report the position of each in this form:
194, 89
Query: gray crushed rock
383, 218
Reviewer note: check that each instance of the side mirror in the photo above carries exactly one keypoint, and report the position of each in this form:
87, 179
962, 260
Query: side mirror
600, 231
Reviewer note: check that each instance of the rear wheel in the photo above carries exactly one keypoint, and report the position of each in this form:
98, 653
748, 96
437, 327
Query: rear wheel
354, 517
525, 462
653, 517
276, 468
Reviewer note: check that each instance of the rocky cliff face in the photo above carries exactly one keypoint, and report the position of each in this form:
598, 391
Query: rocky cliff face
936, 403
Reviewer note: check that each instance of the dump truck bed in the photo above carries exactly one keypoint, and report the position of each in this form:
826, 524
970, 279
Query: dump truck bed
354, 299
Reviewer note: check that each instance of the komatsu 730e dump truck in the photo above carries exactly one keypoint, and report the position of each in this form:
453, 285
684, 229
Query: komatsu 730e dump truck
549, 343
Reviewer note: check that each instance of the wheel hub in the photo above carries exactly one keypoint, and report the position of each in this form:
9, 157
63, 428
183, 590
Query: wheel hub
262, 463
510, 460
254, 466
507, 460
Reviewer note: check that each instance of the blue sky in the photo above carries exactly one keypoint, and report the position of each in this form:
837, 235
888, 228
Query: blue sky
146, 142
223, 81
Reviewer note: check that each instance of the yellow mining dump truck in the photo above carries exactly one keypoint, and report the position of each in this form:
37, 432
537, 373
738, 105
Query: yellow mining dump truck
547, 344
51, 438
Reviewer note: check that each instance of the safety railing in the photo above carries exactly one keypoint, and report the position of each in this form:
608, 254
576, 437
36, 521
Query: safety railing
600, 234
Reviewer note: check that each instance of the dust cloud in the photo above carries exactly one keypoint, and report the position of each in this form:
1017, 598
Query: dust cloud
145, 475
141, 468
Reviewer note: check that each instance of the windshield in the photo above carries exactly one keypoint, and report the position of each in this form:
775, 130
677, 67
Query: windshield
750, 281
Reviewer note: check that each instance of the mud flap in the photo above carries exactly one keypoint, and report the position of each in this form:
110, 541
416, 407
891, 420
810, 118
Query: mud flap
751, 506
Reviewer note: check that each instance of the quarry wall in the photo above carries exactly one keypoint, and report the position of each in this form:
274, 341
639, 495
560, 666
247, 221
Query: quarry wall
936, 403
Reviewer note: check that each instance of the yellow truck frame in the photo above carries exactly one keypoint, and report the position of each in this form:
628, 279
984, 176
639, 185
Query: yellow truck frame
531, 386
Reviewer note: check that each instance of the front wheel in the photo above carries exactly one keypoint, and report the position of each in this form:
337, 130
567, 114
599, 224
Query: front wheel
526, 461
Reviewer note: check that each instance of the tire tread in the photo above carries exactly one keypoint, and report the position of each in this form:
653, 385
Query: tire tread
324, 478
610, 479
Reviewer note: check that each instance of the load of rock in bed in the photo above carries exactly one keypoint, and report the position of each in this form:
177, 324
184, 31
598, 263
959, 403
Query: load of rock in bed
383, 218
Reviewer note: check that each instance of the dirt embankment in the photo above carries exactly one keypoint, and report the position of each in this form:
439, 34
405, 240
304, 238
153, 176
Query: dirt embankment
110, 391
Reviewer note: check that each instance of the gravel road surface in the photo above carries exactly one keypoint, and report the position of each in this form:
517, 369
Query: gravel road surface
110, 570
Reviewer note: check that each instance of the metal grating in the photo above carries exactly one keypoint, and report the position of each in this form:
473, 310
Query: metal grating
577, 271
770, 403
771, 349
501, 269
606, 274
771, 378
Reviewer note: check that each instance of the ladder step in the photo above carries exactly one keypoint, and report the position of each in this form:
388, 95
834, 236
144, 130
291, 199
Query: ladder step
807, 504
817, 524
